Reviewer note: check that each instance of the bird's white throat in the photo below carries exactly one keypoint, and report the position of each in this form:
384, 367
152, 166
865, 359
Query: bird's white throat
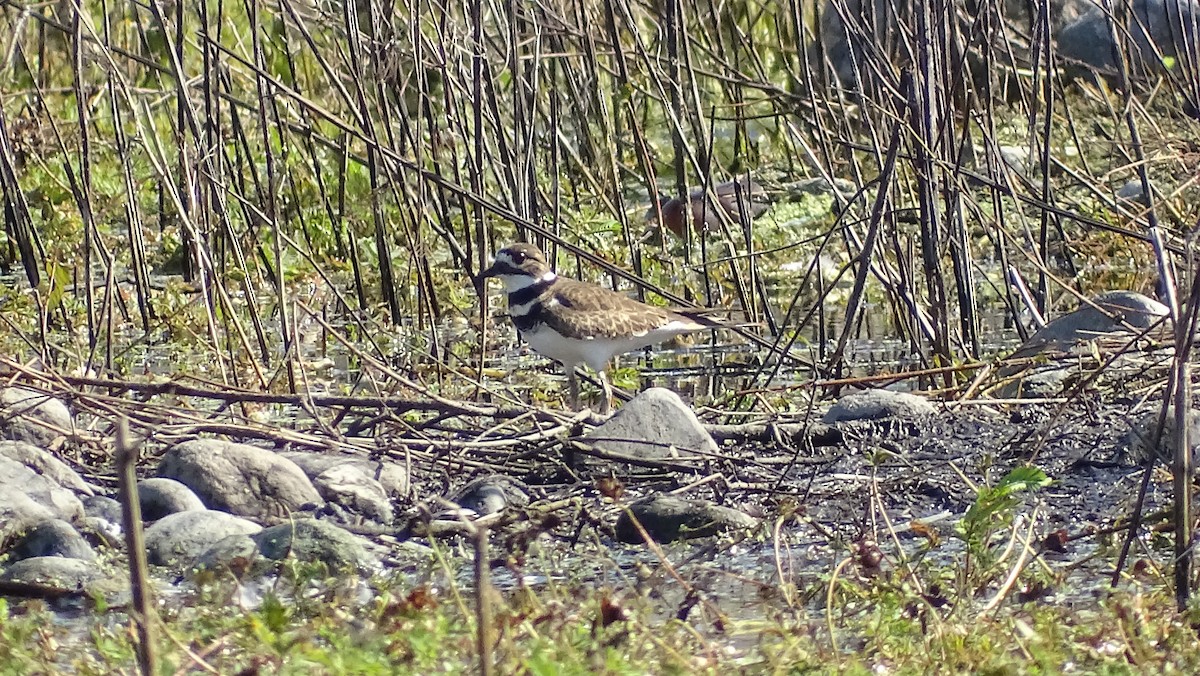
514, 283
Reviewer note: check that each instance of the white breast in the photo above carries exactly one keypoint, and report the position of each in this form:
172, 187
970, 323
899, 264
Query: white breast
595, 352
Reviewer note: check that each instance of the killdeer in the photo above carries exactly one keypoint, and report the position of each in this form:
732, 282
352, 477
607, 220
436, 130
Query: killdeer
733, 197
577, 323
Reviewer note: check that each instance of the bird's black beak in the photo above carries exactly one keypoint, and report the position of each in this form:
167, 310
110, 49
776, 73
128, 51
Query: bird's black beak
500, 267
495, 271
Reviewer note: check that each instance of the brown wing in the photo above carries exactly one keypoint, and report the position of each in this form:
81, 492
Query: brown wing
610, 315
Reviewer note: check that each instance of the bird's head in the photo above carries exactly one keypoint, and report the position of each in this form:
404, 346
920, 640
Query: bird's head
519, 266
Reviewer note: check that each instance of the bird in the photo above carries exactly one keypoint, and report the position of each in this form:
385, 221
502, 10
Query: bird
737, 197
575, 323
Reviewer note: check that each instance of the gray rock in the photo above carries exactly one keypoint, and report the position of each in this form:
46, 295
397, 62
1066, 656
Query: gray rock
313, 540
877, 405
18, 511
103, 531
1142, 441
352, 488
361, 486
159, 497
1107, 313
34, 417
862, 37
27, 497
179, 539
394, 479
53, 537
490, 494
1040, 383
1131, 191
1017, 158
854, 32
845, 45
239, 478
102, 515
655, 424
44, 463
837, 187
1155, 27
1103, 324
55, 571
668, 518
103, 508
304, 539
222, 553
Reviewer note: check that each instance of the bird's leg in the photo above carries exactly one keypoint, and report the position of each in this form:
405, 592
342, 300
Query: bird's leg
573, 387
606, 403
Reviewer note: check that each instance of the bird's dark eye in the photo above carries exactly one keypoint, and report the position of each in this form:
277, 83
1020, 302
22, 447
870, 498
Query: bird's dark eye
518, 257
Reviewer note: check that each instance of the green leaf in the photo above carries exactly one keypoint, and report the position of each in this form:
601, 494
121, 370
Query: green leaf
993, 505
1023, 479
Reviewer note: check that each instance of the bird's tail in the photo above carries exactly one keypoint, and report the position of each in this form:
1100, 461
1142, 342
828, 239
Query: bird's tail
713, 318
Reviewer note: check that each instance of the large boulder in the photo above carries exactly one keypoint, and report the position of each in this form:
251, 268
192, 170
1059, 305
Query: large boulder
313, 540
32, 416
53, 537
667, 518
1108, 313
878, 405
179, 539
27, 497
862, 37
1145, 440
239, 478
654, 425
159, 497
1104, 324
1154, 34
363, 487
43, 462
54, 571
302, 539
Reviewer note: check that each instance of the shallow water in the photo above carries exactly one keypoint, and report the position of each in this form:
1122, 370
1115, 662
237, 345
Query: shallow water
738, 579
